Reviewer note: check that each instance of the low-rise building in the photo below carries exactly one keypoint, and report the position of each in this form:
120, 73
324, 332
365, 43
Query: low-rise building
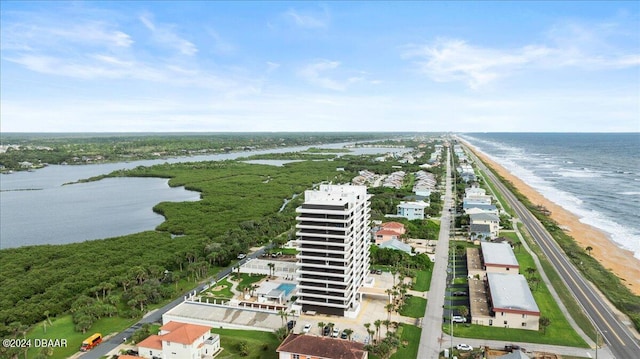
180, 341
499, 258
485, 218
300, 346
412, 210
511, 303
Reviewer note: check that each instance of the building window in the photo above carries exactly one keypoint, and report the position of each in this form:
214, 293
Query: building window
505, 322
524, 324
295, 356
491, 322
524, 315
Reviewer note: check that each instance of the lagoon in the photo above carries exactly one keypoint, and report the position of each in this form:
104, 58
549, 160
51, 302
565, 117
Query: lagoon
36, 208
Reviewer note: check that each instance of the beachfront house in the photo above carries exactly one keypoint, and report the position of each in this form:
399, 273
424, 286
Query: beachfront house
412, 210
491, 220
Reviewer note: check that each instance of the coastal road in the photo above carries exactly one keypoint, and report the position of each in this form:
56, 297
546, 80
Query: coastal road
430, 345
621, 341
156, 316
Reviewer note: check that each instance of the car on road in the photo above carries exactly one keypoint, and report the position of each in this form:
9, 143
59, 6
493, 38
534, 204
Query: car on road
458, 319
335, 333
242, 256
307, 328
464, 347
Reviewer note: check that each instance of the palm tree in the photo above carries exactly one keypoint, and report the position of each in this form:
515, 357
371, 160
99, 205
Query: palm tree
390, 307
589, 249
272, 268
377, 324
386, 324
348, 332
530, 271
283, 315
321, 326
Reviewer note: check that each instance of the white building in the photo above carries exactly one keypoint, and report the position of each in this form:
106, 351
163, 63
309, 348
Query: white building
180, 341
333, 244
412, 210
491, 220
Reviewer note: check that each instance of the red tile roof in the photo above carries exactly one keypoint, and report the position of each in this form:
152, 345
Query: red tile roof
389, 225
322, 347
183, 333
152, 342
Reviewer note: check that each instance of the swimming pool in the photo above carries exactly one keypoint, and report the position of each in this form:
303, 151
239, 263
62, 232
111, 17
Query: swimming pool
287, 288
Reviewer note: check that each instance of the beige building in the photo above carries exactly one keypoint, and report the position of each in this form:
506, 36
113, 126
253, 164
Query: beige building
510, 302
498, 258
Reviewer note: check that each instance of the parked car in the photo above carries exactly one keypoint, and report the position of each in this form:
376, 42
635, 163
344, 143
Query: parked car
460, 294
291, 324
335, 333
326, 330
307, 328
343, 335
464, 347
458, 319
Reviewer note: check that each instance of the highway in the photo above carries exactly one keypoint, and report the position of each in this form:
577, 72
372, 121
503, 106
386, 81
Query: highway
621, 341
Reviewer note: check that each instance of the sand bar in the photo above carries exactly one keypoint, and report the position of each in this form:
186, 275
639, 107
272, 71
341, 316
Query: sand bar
619, 261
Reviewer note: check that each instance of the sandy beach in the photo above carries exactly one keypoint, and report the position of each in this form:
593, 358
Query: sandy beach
617, 260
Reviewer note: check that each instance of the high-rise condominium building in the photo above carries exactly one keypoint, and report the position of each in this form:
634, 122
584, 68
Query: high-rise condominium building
333, 244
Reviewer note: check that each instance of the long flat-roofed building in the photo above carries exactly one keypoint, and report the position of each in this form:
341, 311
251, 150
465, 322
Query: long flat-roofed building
333, 244
499, 258
511, 303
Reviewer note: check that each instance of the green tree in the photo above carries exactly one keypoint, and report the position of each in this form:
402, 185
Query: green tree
544, 323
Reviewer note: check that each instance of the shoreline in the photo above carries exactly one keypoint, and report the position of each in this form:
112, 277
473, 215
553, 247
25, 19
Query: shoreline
615, 259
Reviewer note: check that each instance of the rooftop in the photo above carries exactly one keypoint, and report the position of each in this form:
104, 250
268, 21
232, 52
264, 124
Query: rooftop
498, 254
483, 217
183, 333
511, 293
322, 347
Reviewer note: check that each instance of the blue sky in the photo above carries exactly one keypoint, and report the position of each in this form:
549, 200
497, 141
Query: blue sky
328, 66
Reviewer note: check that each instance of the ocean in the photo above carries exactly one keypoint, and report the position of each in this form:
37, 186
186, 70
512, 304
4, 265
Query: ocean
593, 175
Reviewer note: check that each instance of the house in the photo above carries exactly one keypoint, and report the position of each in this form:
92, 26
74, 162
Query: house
388, 231
485, 218
491, 209
180, 340
511, 302
300, 346
480, 231
397, 245
412, 210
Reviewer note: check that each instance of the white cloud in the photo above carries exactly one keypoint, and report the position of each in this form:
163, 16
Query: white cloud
306, 20
316, 74
567, 45
165, 35
456, 60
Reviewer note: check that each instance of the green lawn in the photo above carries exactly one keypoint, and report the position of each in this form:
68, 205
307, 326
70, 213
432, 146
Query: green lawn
414, 307
262, 345
63, 328
423, 280
409, 342
224, 292
559, 332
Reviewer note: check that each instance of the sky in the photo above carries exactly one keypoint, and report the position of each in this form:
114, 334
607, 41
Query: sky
143, 66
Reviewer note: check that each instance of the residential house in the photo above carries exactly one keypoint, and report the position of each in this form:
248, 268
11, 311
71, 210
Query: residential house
511, 302
485, 218
300, 346
180, 341
412, 210
397, 245
479, 231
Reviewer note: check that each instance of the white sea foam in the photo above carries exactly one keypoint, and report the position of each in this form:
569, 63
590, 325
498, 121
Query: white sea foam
630, 193
624, 237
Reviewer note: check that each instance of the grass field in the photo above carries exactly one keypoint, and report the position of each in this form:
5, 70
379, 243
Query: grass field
409, 342
423, 280
414, 307
262, 345
63, 328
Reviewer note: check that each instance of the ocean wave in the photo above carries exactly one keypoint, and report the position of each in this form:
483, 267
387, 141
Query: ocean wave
579, 173
630, 193
623, 236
